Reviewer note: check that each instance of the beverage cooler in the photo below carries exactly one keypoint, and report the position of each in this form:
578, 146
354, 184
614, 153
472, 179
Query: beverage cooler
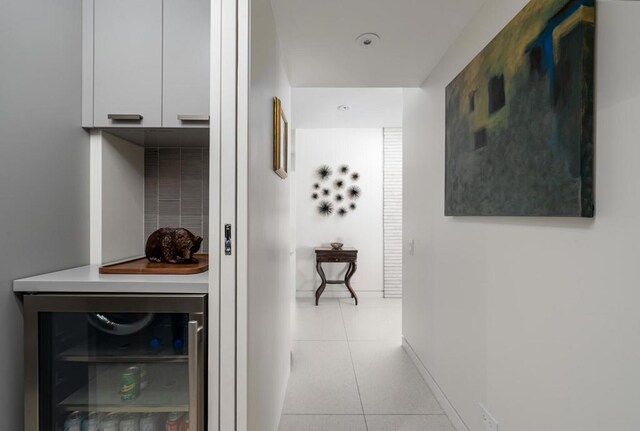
115, 362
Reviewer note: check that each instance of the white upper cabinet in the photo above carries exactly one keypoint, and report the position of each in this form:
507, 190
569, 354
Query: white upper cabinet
185, 84
146, 63
128, 63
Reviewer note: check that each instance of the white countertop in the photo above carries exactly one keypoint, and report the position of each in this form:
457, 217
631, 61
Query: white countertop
87, 279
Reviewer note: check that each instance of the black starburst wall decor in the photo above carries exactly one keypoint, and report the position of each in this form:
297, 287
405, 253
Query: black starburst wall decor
354, 192
325, 208
324, 172
343, 189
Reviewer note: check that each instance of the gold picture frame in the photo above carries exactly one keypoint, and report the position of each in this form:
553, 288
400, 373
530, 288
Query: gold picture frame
280, 140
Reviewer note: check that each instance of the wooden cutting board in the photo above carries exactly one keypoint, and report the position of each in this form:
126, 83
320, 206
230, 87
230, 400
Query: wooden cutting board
141, 265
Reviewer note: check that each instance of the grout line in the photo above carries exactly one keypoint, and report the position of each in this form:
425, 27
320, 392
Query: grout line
321, 414
406, 414
368, 414
93, 69
157, 189
349, 341
320, 341
353, 366
180, 188
202, 197
162, 65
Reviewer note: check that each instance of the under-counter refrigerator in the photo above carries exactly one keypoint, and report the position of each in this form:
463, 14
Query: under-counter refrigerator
115, 362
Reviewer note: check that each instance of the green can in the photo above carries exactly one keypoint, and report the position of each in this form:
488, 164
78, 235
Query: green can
130, 384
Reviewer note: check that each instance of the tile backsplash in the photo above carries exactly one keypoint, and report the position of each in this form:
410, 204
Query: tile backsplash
176, 190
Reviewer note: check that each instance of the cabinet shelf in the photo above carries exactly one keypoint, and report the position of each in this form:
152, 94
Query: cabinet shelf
167, 391
115, 354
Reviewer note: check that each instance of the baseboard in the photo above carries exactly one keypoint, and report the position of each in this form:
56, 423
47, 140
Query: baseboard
446, 405
335, 294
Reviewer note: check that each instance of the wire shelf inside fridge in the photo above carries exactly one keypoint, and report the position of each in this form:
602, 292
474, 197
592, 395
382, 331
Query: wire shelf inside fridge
167, 391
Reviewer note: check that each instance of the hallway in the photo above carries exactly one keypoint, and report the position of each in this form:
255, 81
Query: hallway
350, 372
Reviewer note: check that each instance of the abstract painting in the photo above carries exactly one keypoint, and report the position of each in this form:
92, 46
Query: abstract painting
519, 118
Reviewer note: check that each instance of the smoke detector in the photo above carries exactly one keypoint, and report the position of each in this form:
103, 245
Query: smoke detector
368, 40
344, 108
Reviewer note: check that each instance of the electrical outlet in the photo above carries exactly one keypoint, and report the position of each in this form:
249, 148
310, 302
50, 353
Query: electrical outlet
490, 424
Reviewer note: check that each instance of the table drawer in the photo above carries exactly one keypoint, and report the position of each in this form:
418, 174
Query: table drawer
336, 258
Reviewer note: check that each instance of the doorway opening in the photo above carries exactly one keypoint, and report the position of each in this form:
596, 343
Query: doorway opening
349, 370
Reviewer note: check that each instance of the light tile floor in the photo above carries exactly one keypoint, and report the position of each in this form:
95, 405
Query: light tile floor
350, 372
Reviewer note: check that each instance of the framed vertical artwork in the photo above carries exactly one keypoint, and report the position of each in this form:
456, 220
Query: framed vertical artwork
280, 140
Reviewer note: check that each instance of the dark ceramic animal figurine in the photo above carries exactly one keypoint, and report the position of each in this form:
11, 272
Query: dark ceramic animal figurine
172, 245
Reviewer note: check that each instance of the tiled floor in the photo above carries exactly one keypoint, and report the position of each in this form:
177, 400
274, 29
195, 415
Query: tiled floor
350, 372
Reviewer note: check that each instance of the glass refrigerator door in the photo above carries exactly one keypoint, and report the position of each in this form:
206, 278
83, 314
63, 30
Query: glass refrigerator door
119, 371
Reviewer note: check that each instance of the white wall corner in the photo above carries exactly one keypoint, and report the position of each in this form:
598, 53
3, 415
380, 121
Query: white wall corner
446, 405
95, 197
116, 202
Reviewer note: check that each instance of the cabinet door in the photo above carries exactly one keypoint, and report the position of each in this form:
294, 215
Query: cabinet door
128, 63
186, 63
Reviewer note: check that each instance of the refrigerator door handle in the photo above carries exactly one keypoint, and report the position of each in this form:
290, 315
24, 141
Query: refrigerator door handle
195, 334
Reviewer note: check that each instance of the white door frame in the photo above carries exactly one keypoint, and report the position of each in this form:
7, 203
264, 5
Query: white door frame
213, 383
229, 151
228, 136
242, 215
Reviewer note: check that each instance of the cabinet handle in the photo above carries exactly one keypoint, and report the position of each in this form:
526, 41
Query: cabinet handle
125, 117
183, 117
195, 333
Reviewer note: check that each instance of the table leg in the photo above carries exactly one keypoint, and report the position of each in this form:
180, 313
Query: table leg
347, 280
324, 282
347, 275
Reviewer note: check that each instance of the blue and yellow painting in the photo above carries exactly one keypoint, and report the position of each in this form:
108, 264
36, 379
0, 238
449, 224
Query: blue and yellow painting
519, 118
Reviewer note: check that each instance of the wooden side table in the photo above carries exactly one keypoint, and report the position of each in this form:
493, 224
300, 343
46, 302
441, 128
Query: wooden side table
329, 255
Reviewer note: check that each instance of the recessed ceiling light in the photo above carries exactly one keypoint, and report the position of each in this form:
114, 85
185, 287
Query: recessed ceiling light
368, 40
344, 108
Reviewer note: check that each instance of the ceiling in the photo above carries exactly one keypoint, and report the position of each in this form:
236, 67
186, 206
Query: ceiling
317, 108
318, 38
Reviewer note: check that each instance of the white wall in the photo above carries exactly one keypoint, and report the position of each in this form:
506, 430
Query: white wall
316, 108
361, 149
537, 318
121, 206
269, 294
44, 165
